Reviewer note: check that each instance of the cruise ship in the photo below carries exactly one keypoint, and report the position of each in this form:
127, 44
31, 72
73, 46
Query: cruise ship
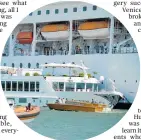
67, 32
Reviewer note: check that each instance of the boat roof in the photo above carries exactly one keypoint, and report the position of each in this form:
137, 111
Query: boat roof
66, 65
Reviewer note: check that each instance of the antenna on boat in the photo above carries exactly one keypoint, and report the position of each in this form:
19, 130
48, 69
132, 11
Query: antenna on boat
84, 70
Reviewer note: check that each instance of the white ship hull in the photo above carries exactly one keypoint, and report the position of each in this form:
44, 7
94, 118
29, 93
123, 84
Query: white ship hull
95, 34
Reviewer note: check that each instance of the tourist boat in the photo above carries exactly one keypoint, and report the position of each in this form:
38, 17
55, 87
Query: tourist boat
22, 113
78, 106
75, 31
38, 88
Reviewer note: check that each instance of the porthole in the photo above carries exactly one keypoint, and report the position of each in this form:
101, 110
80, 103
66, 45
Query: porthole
75, 9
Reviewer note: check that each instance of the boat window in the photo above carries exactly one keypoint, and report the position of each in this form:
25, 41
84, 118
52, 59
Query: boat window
26, 86
21, 65
89, 87
8, 85
22, 100
13, 65
56, 11
37, 65
37, 86
84, 8
30, 14
70, 86
47, 12
55, 86
75, 9
14, 85
29, 65
94, 7
61, 86
3, 85
39, 13
20, 86
95, 87
65, 10
80, 86
32, 86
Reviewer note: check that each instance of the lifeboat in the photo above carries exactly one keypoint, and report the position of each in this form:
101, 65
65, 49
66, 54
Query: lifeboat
55, 32
25, 37
94, 30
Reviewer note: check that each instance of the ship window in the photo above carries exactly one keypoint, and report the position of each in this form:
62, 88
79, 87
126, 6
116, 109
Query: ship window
84, 8
21, 65
70, 86
3, 85
47, 12
136, 81
89, 87
61, 86
114, 81
13, 65
37, 86
32, 86
20, 86
30, 14
29, 65
75, 9
4, 64
39, 13
94, 7
55, 86
37, 65
22, 100
95, 87
26, 86
65, 10
56, 11
125, 81
8, 85
80, 86
14, 85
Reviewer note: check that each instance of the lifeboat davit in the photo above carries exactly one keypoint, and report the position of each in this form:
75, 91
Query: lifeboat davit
25, 37
55, 32
94, 30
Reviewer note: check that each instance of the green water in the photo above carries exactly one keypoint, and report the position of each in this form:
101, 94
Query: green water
63, 125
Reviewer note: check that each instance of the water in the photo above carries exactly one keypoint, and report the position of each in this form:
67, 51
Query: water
62, 125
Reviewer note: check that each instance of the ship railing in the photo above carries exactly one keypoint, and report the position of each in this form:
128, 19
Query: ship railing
124, 50
91, 51
53, 52
21, 89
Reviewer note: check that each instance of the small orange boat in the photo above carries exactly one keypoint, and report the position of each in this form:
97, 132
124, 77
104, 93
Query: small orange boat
77, 106
24, 115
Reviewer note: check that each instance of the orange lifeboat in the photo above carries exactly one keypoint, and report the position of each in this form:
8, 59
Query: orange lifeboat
55, 32
94, 30
25, 37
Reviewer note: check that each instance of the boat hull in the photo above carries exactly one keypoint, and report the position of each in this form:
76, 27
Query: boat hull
30, 115
68, 107
56, 36
95, 34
